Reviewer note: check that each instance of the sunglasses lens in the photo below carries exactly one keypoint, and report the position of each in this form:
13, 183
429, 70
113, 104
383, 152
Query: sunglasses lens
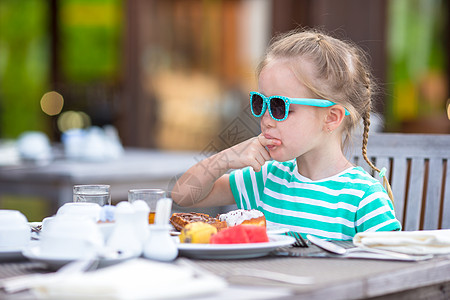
278, 108
257, 104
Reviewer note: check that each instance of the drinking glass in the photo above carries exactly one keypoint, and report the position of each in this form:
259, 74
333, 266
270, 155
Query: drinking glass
149, 196
94, 193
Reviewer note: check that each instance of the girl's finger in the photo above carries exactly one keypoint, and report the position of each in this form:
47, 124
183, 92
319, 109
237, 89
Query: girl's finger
266, 155
260, 159
262, 140
256, 166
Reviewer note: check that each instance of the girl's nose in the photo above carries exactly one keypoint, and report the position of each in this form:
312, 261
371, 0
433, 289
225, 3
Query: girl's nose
266, 120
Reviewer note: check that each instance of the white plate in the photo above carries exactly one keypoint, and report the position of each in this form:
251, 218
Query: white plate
234, 251
34, 254
276, 229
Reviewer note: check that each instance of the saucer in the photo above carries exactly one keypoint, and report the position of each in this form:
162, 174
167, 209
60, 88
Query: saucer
34, 254
12, 254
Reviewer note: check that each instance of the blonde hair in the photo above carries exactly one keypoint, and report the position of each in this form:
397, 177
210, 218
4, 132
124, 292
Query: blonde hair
341, 74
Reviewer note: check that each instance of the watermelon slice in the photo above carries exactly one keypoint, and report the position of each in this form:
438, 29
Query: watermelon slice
256, 234
241, 234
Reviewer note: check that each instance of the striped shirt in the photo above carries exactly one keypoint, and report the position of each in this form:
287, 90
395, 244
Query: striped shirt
336, 207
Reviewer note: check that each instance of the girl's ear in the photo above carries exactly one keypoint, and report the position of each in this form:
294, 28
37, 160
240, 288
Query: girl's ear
334, 117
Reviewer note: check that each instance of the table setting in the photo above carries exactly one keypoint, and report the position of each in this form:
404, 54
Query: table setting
89, 253
131, 250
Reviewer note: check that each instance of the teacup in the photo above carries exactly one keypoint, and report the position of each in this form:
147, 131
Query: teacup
46, 223
70, 236
15, 233
82, 209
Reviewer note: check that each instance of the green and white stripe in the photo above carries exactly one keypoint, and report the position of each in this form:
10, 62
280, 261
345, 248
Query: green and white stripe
333, 208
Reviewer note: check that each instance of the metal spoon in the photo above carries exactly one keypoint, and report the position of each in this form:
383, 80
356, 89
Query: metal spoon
335, 249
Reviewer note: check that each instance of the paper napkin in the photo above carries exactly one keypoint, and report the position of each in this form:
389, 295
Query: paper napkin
134, 279
410, 242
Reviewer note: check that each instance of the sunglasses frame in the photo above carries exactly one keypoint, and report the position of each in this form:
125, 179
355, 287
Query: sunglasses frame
287, 102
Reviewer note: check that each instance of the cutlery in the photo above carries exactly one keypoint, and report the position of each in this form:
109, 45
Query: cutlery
270, 275
299, 241
335, 249
248, 272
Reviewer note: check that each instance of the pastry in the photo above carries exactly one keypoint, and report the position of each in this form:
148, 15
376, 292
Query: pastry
180, 220
243, 216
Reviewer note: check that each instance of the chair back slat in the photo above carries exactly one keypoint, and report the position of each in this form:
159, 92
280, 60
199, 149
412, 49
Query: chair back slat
418, 169
446, 203
433, 194
398, 185
414, 200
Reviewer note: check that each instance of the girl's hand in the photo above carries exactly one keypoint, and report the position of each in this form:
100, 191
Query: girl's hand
251, 152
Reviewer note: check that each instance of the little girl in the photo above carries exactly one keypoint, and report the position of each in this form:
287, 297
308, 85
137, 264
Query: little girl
312, 91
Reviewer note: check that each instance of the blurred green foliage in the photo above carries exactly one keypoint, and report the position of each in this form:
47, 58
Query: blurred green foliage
24, 65
89, 51
90, 32
417, 56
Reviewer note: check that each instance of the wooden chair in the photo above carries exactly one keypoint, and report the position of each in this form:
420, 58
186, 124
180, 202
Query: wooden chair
418, 168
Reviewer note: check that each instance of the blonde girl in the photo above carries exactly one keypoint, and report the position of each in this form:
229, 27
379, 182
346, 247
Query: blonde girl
313, 90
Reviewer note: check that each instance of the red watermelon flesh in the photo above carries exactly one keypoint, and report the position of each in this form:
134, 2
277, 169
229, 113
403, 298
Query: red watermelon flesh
256, 234
241, 234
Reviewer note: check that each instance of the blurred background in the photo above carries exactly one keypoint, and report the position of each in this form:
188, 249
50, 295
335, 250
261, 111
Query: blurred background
175, 74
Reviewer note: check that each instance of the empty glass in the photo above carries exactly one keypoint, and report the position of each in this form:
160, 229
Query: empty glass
150, 196
93, 193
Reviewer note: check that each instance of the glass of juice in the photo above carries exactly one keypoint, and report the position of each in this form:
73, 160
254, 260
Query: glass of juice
149, 196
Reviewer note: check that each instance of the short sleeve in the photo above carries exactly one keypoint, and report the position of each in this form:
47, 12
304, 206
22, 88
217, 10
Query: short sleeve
375, 211
247, 186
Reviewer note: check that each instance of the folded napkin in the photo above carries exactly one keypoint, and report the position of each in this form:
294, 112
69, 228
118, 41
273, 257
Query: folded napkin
134, 279
410, 242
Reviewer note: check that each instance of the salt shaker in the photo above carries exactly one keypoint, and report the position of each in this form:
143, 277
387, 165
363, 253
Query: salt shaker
160, 245
141, 211
124, 238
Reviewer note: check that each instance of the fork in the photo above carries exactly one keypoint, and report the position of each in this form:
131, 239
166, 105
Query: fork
299, 241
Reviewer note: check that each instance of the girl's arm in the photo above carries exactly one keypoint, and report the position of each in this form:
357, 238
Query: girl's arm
207, 184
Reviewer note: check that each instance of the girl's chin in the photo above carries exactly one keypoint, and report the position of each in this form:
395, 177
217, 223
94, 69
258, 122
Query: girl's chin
276, 155
279, 156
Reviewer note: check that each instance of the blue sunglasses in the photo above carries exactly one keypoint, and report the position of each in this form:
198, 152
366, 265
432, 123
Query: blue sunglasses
279, 105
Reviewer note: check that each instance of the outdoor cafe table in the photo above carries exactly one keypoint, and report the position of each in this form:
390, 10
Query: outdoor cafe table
137, 168
335, 278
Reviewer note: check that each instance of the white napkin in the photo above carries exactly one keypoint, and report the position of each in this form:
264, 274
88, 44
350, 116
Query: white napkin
134, 279
410, 242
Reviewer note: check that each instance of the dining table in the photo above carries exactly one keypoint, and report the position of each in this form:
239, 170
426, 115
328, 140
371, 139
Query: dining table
332, 277
54, 179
